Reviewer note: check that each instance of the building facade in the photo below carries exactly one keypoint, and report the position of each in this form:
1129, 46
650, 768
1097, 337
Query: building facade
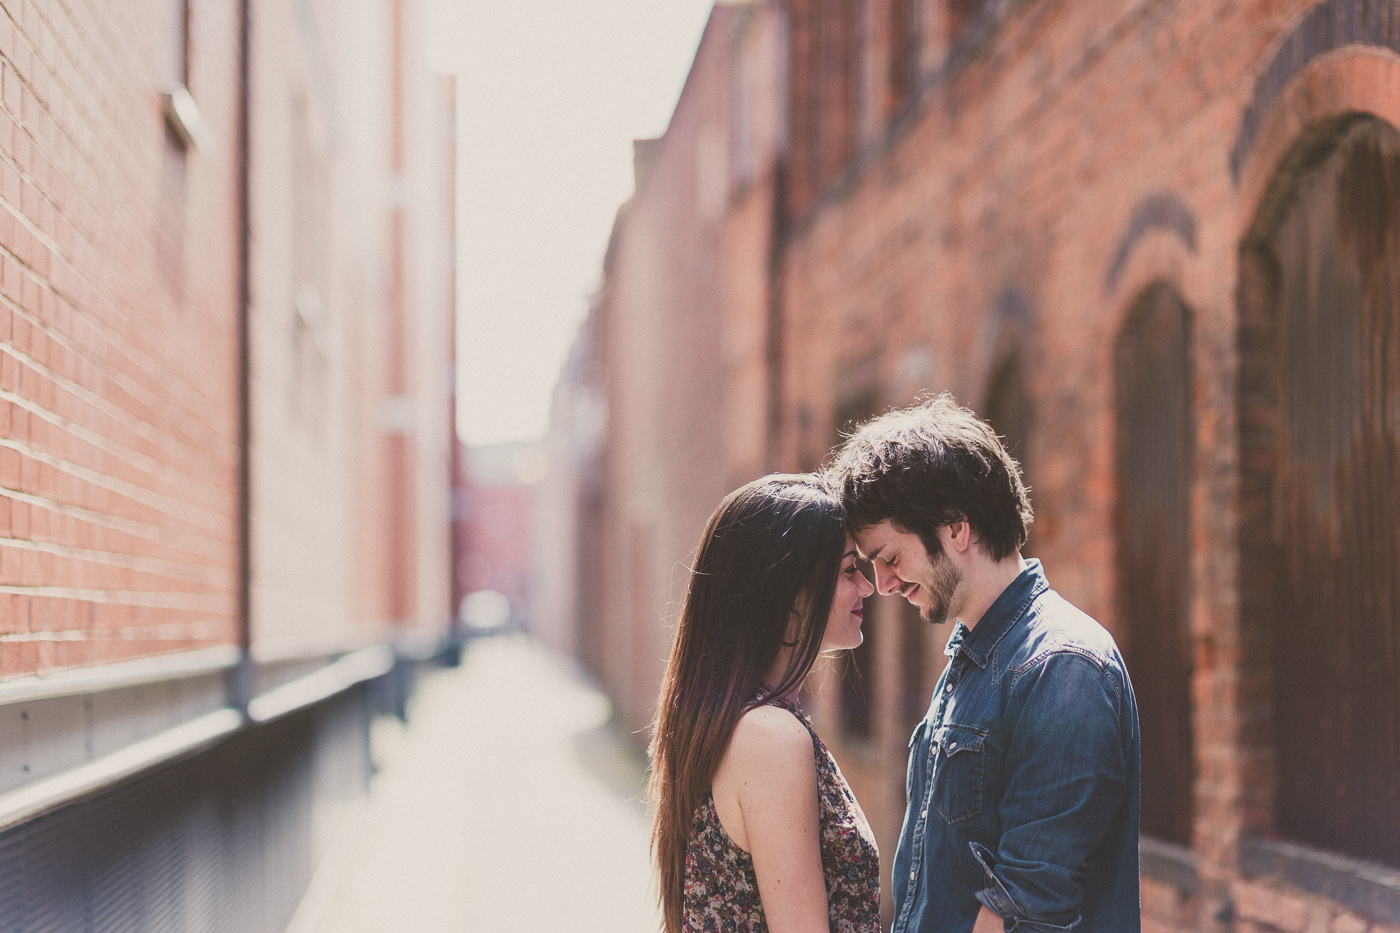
1155, 245
226, 441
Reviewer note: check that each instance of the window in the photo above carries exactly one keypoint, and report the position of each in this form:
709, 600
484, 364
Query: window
824, 49
1153, 456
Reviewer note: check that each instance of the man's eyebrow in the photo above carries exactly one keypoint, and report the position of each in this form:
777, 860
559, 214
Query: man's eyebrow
875, 554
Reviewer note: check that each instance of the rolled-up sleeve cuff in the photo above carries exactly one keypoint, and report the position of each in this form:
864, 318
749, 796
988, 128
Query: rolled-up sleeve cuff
999, 901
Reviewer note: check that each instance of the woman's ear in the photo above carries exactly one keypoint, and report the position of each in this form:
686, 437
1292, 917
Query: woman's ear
794, 622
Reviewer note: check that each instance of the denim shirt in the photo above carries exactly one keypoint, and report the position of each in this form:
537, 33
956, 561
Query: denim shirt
1023, 778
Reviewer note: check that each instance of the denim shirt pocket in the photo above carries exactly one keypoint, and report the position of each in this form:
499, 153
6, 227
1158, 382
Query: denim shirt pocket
958, 771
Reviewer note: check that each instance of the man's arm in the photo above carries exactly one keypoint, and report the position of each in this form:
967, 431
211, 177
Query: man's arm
988, 922
1066, 780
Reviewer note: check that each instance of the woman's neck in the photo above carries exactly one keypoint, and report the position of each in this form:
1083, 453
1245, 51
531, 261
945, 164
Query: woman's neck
776, 672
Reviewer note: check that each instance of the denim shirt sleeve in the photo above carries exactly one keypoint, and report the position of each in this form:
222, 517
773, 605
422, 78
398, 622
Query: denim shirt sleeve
1066, 777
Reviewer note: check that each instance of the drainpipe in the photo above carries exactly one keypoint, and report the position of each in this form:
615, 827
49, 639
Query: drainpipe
242, 687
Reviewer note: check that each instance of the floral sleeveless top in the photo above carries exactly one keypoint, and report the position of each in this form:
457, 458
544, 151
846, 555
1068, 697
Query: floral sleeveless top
721, 892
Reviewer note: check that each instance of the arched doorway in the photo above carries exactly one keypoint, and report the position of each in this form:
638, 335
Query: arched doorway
1154, 451
1320, 481
1008, 410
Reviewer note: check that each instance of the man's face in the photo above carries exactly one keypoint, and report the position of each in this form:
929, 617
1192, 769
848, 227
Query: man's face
902, 565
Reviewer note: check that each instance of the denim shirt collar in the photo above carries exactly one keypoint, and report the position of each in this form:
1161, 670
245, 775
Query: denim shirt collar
1000, 617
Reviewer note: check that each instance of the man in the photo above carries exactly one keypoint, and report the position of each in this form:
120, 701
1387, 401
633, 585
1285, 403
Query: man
1023, 776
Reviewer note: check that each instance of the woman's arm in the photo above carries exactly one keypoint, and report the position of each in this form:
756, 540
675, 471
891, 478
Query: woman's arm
766, 796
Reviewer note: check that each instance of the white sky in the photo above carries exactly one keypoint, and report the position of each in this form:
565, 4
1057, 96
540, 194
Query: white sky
550, 95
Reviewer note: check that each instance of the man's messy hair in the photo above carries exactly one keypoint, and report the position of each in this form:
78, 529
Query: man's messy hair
930, 465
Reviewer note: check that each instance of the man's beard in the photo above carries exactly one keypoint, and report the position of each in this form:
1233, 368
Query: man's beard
942, 584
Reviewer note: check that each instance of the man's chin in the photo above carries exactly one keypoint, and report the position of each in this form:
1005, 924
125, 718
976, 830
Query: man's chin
927, 615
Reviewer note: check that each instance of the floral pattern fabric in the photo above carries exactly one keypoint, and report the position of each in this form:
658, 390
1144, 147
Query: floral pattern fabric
721, 892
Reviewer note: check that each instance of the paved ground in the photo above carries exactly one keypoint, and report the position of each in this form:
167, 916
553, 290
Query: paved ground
508, 804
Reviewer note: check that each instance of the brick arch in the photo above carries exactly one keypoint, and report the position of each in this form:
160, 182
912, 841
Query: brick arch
1324, 28
1161, 211
1331, 87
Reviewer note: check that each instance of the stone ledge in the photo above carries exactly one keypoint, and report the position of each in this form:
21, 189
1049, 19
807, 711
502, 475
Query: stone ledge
1365, 887
1170, 864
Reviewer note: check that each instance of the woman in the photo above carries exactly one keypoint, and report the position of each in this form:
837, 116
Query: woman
755, 827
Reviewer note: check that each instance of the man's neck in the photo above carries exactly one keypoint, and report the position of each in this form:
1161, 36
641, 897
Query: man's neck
986, 580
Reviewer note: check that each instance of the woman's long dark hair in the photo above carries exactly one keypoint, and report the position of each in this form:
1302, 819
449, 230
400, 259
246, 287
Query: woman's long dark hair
771, 552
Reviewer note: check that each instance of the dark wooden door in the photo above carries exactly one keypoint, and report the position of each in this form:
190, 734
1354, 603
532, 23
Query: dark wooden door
1154, 444
1336, 497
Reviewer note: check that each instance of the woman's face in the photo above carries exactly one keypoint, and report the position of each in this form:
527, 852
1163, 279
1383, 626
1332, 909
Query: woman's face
847, 605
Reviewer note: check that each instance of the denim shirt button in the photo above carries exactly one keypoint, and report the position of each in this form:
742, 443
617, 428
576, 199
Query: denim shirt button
923, 815
948, 688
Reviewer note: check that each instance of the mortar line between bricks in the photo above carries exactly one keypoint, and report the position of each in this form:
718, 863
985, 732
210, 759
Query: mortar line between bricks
174, 632
150, 498
153, 468
130, 129
155, 566
47, 198
146, 599
116, 413
79, 189
136, 528
143, 360
133, 387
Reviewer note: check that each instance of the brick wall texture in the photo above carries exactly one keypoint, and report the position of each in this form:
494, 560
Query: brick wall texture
119, 293
988, 232
118, 276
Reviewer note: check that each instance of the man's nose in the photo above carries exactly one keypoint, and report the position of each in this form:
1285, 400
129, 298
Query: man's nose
885, 580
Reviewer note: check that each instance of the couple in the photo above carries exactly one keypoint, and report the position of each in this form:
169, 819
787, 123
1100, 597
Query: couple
1023, 775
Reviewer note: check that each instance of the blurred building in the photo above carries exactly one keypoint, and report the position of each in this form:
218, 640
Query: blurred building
1158, 246
226, 442
499, 527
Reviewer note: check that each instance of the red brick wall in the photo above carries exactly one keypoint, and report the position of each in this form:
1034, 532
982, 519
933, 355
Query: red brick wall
117, 310
682, 329
1057, 159
1021, 175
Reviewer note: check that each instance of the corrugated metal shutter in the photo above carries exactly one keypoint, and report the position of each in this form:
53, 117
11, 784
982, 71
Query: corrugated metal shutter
218, 842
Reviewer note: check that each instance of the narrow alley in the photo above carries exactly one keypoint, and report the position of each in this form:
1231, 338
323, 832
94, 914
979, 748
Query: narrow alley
508, 803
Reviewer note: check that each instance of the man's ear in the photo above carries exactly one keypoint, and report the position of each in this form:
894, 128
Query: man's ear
960, 535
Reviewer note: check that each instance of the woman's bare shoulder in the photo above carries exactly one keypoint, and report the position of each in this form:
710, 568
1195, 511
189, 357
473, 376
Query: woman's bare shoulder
769, 735
768, 771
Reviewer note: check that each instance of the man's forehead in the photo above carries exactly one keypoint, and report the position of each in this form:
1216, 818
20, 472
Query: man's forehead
873, 540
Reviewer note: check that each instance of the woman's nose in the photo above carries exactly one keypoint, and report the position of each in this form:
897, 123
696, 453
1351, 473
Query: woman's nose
866, 587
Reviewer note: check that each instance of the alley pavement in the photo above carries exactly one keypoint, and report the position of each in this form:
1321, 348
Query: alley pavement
508, 803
